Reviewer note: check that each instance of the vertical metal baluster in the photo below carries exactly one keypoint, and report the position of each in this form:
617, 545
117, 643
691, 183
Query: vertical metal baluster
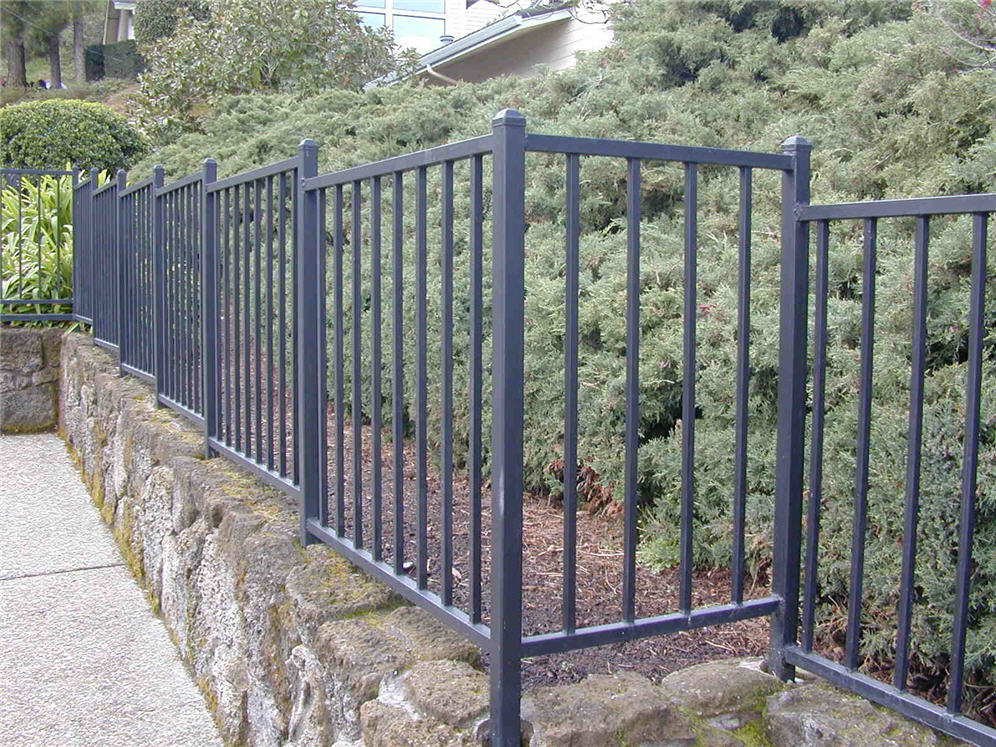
226, 348
137, 264
237, 218
853, 643
158, 281
820, 332
169, 254
145, 317
966, 520
209, 306
257, 220
688, 388
199, 308
632, 479
190, 294
183, 296
132, 320
571, 343
190, 277
421, 441
376, 388
296, 196
176, 297
132, 316
357, 404
91, 272
340, 386
121, 261
74, 207
38, 235
270, 433
397, 373
743, 384
193, 294
446, 518
20, 236
476, 377
282, 319
247, 345
179, 275
918, 365
58, 239
323, 326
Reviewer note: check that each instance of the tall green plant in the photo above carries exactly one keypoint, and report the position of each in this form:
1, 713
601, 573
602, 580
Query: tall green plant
36, 225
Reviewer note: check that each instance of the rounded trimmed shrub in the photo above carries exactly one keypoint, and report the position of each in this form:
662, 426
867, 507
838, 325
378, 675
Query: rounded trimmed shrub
50, 134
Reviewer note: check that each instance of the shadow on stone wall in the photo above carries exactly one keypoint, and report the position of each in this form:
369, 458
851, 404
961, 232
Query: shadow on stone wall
29, 378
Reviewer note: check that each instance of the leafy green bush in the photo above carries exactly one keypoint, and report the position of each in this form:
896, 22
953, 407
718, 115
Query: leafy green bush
889, 114
306, 47
43, 134
36, 228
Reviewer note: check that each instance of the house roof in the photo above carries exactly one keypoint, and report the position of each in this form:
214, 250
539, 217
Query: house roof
516, 24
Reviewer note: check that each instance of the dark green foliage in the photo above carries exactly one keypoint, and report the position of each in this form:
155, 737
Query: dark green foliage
122, 60
157, 19
117, 60
49, 134
889, 115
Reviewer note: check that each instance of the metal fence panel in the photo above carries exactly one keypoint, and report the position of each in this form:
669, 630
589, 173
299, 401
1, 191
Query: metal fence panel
223, 293
36, 253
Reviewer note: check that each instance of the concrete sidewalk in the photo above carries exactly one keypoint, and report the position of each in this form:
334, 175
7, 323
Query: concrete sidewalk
83, 659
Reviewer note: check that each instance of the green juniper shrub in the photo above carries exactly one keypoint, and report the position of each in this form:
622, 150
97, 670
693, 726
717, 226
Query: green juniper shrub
45, 134
889, 115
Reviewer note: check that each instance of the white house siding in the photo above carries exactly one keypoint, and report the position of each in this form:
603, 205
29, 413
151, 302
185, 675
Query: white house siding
478, 15
553, 46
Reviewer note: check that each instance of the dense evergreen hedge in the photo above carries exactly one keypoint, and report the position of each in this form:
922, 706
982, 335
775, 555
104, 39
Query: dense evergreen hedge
891, 111
53, 133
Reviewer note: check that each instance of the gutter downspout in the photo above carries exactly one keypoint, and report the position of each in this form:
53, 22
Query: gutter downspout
440, 76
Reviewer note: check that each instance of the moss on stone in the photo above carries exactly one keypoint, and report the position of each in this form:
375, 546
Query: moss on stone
753, 734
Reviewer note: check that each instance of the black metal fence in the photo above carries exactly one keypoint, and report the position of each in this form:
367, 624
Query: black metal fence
36, 266
979, 207
220, 292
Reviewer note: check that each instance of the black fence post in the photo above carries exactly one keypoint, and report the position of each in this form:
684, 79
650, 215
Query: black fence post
509, 128
309, 294
158, 281
91, 236
76, 239
209, 305
120, 253
791, 406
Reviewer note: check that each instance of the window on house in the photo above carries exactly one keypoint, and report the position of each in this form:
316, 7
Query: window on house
416, 24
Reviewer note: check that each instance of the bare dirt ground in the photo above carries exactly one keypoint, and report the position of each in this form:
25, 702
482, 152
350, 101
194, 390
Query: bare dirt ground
599, 570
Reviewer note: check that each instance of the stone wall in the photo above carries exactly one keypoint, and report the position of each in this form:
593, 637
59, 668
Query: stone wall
29, 375
294, 646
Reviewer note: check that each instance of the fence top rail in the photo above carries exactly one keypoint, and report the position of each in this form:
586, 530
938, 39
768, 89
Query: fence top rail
111, 184
32, 301
588, 146
908, 208
36, 172
180, 183
137, 186
273, 169
428, 157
